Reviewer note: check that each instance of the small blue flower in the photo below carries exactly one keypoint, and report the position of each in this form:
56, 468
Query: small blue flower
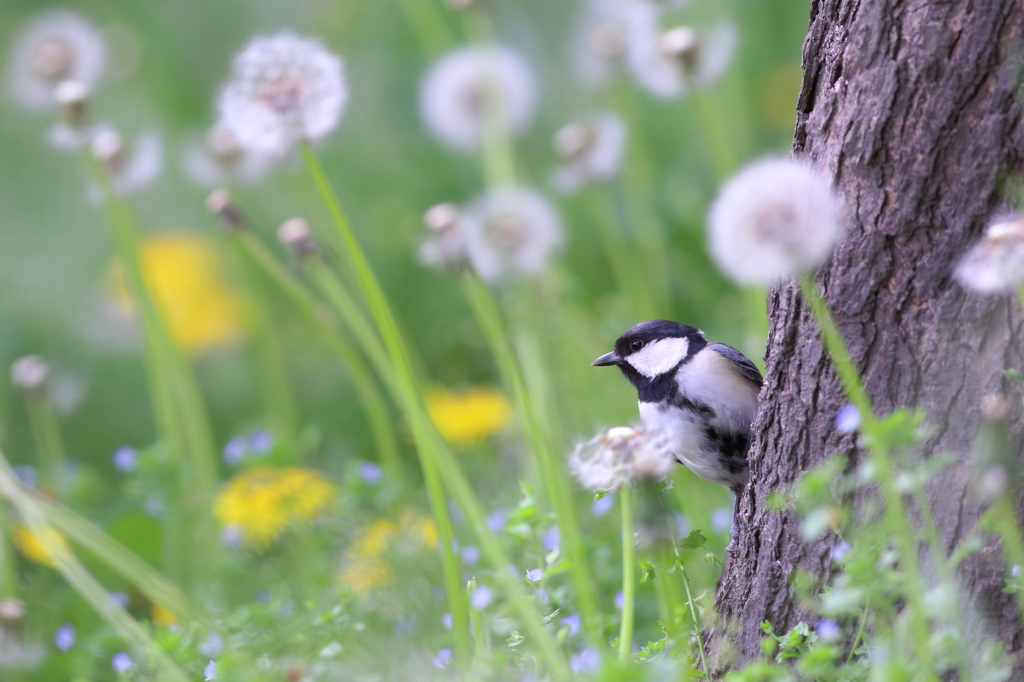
27, 475
443, 658
210, 671
64, 638
234, 450
260, 442
840, 550
573, 622
619, 600
470, 555
446, 620
585, 661
1015, 570
481, 598
119, 598
211, 646
154, 507
231, 536
370, 473
534, 575
682, 525
551, 539
827, 629
847, 419
603, 506
496, 520
121, 662
721, 519
125, 458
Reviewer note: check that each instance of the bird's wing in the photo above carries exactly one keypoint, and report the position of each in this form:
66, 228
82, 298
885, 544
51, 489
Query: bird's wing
745, 367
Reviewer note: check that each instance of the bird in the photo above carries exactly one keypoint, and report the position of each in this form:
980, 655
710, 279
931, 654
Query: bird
701, 397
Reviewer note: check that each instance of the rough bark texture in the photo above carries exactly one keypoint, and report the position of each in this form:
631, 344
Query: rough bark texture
913, 107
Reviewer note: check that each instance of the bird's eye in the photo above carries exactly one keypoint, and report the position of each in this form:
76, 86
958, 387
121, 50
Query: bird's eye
636, 344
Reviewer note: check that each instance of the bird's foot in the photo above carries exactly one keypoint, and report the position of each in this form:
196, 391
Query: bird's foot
731, 548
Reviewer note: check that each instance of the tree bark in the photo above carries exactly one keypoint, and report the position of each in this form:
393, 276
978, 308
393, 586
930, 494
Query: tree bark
913, 107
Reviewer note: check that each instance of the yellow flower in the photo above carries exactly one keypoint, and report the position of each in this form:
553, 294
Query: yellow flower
31, 545
162, 616
469, 416
183, 274
265, 502
366, 565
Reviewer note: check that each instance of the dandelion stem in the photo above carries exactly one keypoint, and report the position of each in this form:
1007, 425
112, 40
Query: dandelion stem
428, 24
860, 632
552, 474
370, 397
628, 572
388, 329
395, 371
721, 148
896, 521
46, 433
83, 582
620, 256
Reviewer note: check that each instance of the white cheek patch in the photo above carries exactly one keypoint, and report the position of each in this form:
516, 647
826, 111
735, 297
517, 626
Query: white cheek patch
659, 357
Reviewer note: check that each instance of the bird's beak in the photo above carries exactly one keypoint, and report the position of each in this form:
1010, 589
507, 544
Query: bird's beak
607, 359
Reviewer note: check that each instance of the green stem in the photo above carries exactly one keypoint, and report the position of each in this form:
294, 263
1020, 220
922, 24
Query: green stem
896, 521
46, 433
691, 605
476, 620
714, 133
370, 397
620, 255
1003, 519
397, 374
8, 574
388, 328
628, 572
552, 473
860, 632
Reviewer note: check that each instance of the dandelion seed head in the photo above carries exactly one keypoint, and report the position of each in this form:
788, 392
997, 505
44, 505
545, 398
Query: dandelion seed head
773, 220
614, 34
218, 159
458, 90
55, 47
623, 455
995, 264
510, 231
297, 237
130, 166
445, 247
591, 150
687, 59
284, 89
30, 373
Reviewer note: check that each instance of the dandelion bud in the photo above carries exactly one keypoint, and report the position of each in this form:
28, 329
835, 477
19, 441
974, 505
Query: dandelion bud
283, 90
217, 158
297, 236
681, 42
56, 47
441, 217
11, 610
220, 205
995, 265
131, 167
73, 99
574, 139
30, 373
775, 219
108, 147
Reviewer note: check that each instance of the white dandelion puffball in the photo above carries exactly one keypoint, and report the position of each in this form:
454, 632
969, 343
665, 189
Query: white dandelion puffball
775, 219
995, 265
623, 455
688, 60
471, 86
590, 150
131, 166
446, 247
510, 231
55, 47
217, 159
283, 90
612, 34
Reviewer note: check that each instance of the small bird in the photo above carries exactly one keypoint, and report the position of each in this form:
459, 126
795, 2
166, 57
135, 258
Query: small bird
701, 396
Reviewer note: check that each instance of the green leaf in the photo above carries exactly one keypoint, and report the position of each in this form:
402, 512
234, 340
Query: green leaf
647, 570
693, 540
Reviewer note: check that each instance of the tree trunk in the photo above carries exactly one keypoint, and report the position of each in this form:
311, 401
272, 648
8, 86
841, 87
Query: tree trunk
912, 106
